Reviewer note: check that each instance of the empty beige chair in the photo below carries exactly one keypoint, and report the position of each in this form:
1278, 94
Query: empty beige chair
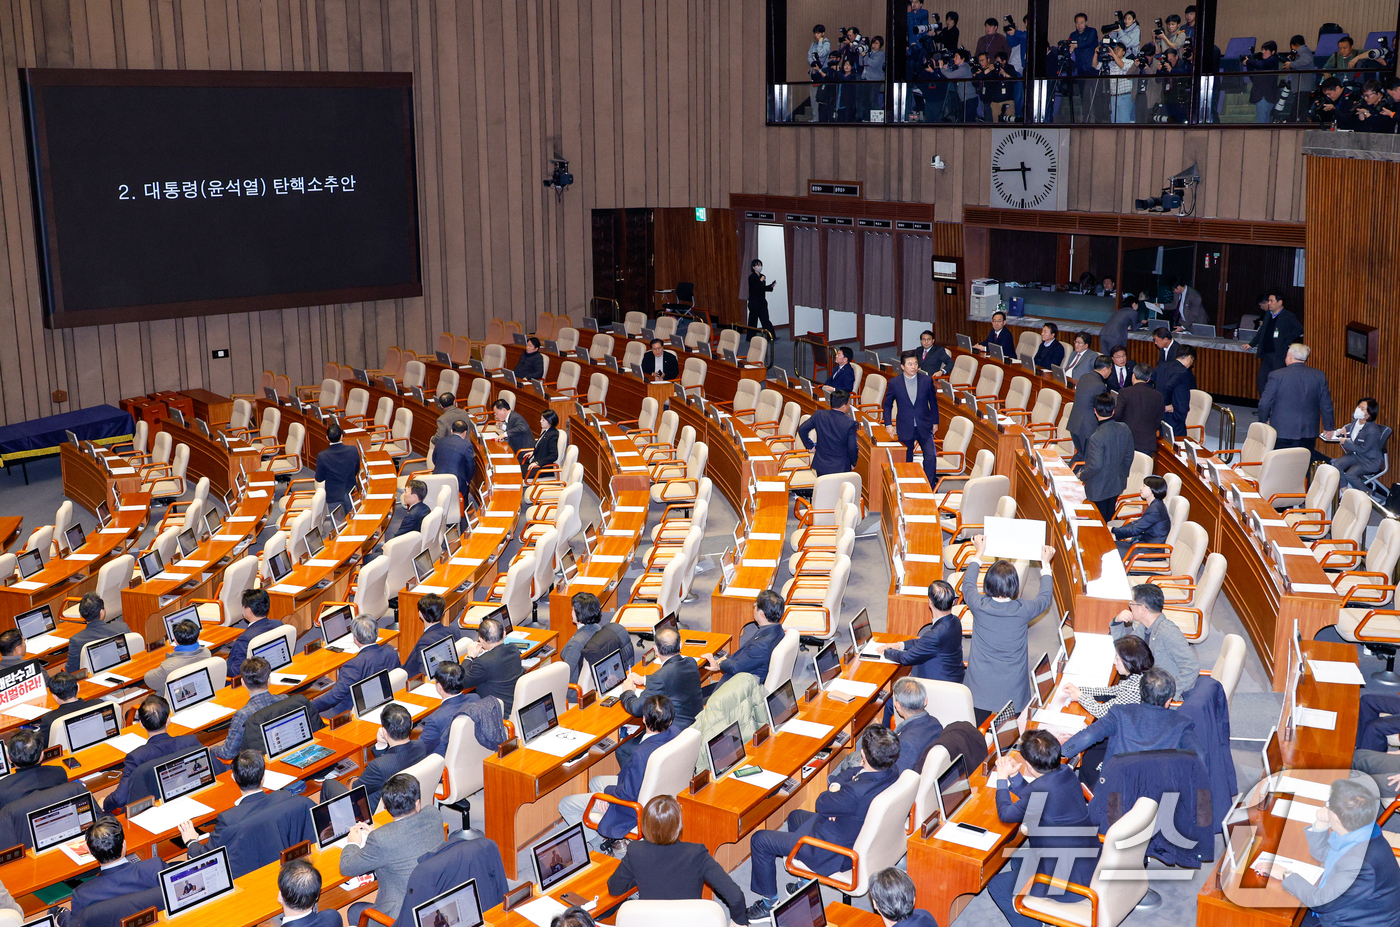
164, 481
1310, 519
813, 607
1197, 415
329, 396
879, 845
782, 662
515, 596
448, 381
493, 357
415, 373
963, 372
112, 577
948, 492
227, 606
161, 448
141, 437
696, 912
936, 763
546, 325
1192, 614
548, 680
767, 410
633, 354
1041, 418
633, 323
693, 376
1284, 471
372, 589
989, 381
1258, 441
648, 417
1120, 877
570, 373
1368, 584
1229, 665
728, 341
1348, 526
601, 347
268, 427
597, 398
479, 400
695, 333
1018, 395
745, 400
289, 461
464, 768
665, 327
948, 701
396, 443
952, 450
566, 339
673, 486
758, 351
240, 418
872, 396
357, 403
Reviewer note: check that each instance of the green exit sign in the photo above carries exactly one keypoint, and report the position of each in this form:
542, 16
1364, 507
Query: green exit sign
701, 213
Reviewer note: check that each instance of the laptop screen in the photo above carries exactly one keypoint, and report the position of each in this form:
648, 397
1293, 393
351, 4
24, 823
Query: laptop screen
75, 536
184, 774
275, 652
314, 542
440, 651
34, 622
337, 624
92, 727
333, 819
538, 717
187, 542
61, 822
782, 705
190, 690
196, 881
285, 734
860, 629
1066, 632
279, 566
104, 514
107, 653
803, 908
338, 519
423, 565
827, 663
609, 672
456, 907
189, 613
150, 564
212, 519
29, 563
670, 622
371, 692
1272, 754
1043, 679
726, 750
954, 788
560, 857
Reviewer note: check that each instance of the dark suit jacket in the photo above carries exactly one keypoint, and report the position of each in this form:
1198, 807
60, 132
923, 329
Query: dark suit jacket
115, 910
518, 433
412, 519
117, 881
1075, 369
437, 727
386, 765
92, 631
1295, 398
837, 445
494, 674
258, 829
1141, 408
450, 865
455, 454
670, 367
1165, 354
238, 652
1002, 338
1175, 382
936, 653
431, 635
158, 746
1064, 807
1151, 527
1115, 330
843, 378
1367, 448
918, 418
1368, 899
1132, 728
316, 919
1049, 355
22, 782
677, 871
1081, 415
608, 637
337, 466
1189, 313
755, 653
1274, 336
252, 727
370, 660
618, 821
546, 451
840, 814
530, 366
1117, 382
916, 734
934, 360
1108, 456
45, 722
758, 291
679, 680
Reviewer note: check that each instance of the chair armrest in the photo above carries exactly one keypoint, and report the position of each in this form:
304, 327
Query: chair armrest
962, 460
1176, 582
1145, 551
806, 840
1227, 451
1345, 557
1361, 626
369, 914
1390, 809
605, 798
1044, 878
1287, 495
1383, 594
1200, 621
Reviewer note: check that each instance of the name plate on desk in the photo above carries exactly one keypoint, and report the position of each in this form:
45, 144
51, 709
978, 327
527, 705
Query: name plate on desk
588, 698
141, 918
518, 896
297, 851
702, 779
12, 854
509, 747
762, 734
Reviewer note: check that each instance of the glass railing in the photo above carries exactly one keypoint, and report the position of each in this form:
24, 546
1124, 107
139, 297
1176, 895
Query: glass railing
828, 101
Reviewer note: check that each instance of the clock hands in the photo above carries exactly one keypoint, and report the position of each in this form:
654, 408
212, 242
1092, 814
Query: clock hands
1022, 170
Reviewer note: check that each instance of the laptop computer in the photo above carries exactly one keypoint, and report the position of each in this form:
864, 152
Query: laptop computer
92, 727
443, 650
1042, 681
457, 907
803, 908
864, 638
184, 774
288, 739
151, 565
781, 704
1057, 373
725, 750
107, 653
278, 656
195, 882
335, 630
187, 542
518, 338
540, 730
1203, 331
104, 514
827, 664
314, 543
609, 674
36, 626
29, 562
73, 538
178, 417
558, 857
332, 820
423, 566
270, 394
954, 789
1027, 361
60, 822
389, 384
443, 357
964, 341
995, 352
372, 695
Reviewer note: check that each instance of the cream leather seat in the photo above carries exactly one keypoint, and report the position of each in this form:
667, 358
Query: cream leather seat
1229, 665
879, 845
1192, 614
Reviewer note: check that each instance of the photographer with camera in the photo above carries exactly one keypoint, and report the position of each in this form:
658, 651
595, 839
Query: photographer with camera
1169, 35
1299, 86
1148, 100
1083, 43
995, 91
1330, 101
948, 35
962, 98
1120, 90
1176, 89
1263, 89
874, 74
1346, 56
1126, 32
848, 92
1369, 114
916, 22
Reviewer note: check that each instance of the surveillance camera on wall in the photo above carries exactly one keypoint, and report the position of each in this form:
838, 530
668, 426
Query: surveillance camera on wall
561, 177
936, 162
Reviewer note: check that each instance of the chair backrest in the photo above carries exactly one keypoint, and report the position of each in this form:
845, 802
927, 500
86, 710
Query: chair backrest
665, 327
1140, 470
693, 376
1258, 441
792, 417
448, 381
1189, 549
964, 370
634, 353
1385, 548
948, 701
598, 387
881, 843
959, 435
400, 552
403, 424
1229, 665
479, 393
240, 417
357, 403
464, 759
431, 532
936, 763
670, 767
782, 662
1028, 342
393, 361
758, 350
1199, 411
112, 577
1209, 582
983, 464
238, 579
728, 340
546, 324
516, 593
493, 356
566, 338
1124, 852
372, 591
980, 497
569, 374
1047, 406
1179, 512
194, 512
695, 333
166, 545
495, 331
601, 347
296, 437
633, 322
444, 343
553, 679
698, 912
546, 552
873, 392
428, 772
270, 422
1018, 394
1173, 485
1352, 517
329, 396
383, 412
1322, 491
1284, 470
62, 519
769, 406
989, 380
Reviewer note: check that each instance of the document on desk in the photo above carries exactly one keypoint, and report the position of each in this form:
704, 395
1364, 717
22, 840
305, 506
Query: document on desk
201, 715
1059, 720
1307, 870
127, 742
806, 729
1295, 810
1315, 717
81, 558
426, 690
1013, 538
29, 585
1318, 588
852, 688
277, 780
541, 911
43, 643
166, 817
762, 779
26, 710
1337, 671
1316, 791
561, 741
964, 836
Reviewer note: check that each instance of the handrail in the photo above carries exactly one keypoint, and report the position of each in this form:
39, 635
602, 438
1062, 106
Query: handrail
1226, 415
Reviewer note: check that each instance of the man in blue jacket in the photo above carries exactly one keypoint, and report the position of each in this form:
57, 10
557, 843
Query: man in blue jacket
415, 509
337, 467
249, 845
437, 624
844, 376
450, 679
298, 891
915, 727
912, 393
394, 751
154, 715
372, 658
256, 605
839, 816
892, 896
453, 453
1133, 728
937, 652
756, 650
658, 719
118, 876
836, 446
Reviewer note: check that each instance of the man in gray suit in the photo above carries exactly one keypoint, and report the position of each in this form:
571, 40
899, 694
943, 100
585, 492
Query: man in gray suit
1081, 415
1108, 457
1186, 307
1080, 359
1295, 398
1363, 450
1115, 330
187, 650
391, 851
518, 433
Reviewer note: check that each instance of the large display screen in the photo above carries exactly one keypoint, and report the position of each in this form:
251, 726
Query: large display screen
161, 194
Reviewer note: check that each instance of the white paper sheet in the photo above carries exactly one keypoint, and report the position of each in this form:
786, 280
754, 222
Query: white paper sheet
852, 688
1295, 811
115, 531
227, 538
201, 715
1013, 538
323, 563
466, 561
541, 911
922, 558
29, 585
742, 590
1319, 588
954, 833
806, 729
172, 577
1059, 720
1316, 717
42, 643
287, 589
426, 690
429, 590
81, 558
1307, 870
26, 710
1316, 791
561, 741
1338, 671
168, 816
762, 779
127, 742
589, 581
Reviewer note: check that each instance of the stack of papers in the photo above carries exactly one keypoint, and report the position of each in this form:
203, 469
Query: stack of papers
806, 729
43, 643
541, 911
963, 836
1315, 717
1059, 720
26, 710
201, 715
1295, 811
276, 780
1337, 671
168, 816
1317, 791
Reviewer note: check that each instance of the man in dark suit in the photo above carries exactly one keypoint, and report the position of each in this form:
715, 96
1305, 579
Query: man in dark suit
658, 730
837, 446
28, 776
1295, 400
677, 678
415, 509
1120, 375
230, 826
492, 666
64, 689
298, 891
394, 751
518, 433
839, 815
669, 368
119, 875
1166, 347
1175, 381
1129, 728
913, 394
1020, 776
256, 607
96, 627
337, 467
915, 727
756, 646
759, 288
933, 359
154, 715
437, 624
455, 454
373, 657
1277, 330
1081, 415
892, 897
1000, 336
1108, 458
1141, 407
844, 376
531, 363
1186, 307
449, 416
1115, 330
936, 653
437, 727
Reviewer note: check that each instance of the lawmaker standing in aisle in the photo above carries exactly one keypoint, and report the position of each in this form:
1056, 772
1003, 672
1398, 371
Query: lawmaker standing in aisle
914, 396
835, 445
759, 288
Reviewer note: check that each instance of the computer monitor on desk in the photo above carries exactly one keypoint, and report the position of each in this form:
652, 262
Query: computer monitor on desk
1203, 331
559, 857
995, 352
803, 908
964, 341
459, 906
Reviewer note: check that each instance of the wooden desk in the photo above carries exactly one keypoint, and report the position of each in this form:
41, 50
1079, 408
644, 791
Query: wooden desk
88, 483
9, 530
210, 458
590, 883
209, 406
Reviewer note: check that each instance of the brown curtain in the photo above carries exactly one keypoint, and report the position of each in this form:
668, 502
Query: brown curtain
879, 283
918, 278
841, 271
746, 255
806, 283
